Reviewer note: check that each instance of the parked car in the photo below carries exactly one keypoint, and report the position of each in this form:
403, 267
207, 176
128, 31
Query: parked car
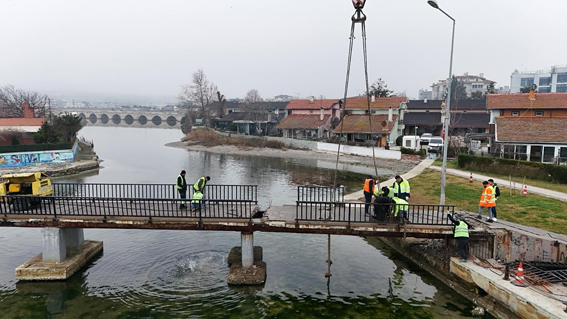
424, 139
435, 144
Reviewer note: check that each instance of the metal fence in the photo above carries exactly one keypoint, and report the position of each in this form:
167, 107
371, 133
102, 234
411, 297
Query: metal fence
320, 194
351, 212
156, 191
61, 206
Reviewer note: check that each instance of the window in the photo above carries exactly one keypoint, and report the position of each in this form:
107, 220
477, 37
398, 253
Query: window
477, 86
521, 152
535, 153
527, 82
515, 113
561, 88
548, 154
545, 81
538, 113
562, 77
408, 143
563, 155
544, 89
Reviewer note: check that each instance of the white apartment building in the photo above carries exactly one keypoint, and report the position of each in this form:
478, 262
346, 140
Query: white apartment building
547, 81
472, 83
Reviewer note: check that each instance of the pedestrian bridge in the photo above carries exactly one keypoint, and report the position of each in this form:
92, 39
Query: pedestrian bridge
224, 208
128, 118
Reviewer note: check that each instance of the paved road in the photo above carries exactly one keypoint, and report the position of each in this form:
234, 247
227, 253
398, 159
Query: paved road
531, 189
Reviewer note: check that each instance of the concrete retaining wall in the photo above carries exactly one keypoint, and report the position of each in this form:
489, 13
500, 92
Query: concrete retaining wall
518, 245
26, 158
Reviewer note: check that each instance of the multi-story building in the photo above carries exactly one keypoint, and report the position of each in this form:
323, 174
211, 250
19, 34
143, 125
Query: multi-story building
551, 80
530, 126
387, 120
472, 83
425, 94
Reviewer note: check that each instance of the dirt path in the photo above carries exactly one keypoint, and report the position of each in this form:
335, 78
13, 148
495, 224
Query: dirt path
397, 166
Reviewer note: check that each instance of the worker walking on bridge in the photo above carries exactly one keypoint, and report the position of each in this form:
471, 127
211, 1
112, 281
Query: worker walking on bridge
201, 183
461, 235
181, 185
368, 189
401, 188
488, 200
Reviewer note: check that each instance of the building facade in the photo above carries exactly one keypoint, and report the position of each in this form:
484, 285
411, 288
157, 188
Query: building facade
553, 80
309, 118
530, 126
472, 84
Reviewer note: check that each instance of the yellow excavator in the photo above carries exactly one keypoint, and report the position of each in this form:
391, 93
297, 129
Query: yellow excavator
25, 189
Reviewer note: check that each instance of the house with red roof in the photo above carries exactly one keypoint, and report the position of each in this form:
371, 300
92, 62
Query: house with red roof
309, 118
383, 126
530, 126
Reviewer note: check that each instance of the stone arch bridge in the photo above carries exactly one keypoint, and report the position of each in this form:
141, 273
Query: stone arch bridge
131, 118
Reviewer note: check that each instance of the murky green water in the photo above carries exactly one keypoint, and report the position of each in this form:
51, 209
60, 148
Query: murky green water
182, 274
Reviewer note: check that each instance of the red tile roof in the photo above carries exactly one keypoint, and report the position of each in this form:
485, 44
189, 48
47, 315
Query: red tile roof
522, 101
307, 105
359, 103
360, 124
310, 122
531, 129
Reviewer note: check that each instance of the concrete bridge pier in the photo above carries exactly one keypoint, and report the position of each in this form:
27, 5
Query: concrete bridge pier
65, 251
245, 262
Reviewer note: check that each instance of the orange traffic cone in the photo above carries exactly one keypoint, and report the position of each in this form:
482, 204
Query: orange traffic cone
525, 192
519, 281
470, 179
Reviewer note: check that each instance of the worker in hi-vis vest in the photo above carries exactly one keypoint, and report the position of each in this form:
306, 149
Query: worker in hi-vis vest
461, 235
197, 201
201, 183
488, 200
368, 189
181, 185
401, 188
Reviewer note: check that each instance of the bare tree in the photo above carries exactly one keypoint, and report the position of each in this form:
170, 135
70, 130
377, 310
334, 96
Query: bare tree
13, 100
221, 99
255, 109
201, 92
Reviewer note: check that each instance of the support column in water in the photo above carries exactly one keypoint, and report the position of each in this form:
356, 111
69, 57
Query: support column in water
54, 245
247, 243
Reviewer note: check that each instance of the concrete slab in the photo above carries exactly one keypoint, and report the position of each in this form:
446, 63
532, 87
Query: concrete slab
36, 269
525, 302
253, 275
235, 255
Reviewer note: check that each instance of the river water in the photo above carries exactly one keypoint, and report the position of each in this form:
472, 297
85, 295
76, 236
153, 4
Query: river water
182, 274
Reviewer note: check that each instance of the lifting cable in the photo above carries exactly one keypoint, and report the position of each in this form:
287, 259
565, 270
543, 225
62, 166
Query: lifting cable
357, 17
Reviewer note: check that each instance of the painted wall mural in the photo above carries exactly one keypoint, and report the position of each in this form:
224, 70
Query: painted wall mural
29, 158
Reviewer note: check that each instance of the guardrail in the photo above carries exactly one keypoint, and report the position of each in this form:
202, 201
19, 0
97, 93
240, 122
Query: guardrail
165, 191
320, 194
354, 212
61, 206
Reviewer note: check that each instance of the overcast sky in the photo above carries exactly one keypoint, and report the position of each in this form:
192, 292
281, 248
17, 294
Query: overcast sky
149, 48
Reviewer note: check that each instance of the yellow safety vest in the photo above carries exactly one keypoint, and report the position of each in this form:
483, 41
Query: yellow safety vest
177, 185
196, 186
461, 230
197, 198
400, 205
402, 187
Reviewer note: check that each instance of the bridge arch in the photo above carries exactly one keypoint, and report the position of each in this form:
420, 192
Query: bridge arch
116, 119
104, 119
82, 116
156, 120
183, 119
171, 120
129, 119
92, 118
142, 120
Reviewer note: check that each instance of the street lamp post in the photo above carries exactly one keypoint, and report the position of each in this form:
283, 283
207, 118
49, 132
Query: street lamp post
447, 120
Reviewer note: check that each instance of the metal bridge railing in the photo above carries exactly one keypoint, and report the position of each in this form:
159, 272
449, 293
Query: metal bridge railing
320, 194
165, 191
353, 212
61, 206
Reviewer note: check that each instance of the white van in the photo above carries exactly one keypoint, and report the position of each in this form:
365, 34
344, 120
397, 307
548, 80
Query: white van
435, 144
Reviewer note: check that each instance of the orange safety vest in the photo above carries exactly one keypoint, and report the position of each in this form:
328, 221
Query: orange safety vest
487, 198
367, 185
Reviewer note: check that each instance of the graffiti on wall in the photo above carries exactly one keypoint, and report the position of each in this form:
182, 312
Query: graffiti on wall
23, 159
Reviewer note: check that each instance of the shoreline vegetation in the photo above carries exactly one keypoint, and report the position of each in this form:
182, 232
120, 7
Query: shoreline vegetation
212, 138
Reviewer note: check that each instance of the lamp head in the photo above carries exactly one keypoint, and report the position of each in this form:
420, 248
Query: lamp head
433, 3
358, 4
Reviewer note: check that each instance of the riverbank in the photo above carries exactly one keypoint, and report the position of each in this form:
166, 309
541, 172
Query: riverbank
397, 166
55, 170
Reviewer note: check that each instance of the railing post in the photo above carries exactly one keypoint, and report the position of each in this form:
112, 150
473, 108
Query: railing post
297, 211
54, 208
349, 212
